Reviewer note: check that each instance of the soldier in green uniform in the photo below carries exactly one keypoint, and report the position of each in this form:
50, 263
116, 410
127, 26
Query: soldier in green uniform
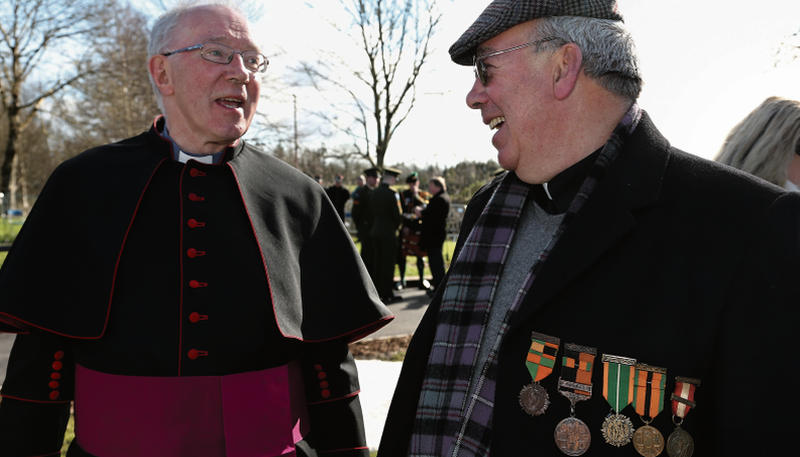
362, 217
387, 215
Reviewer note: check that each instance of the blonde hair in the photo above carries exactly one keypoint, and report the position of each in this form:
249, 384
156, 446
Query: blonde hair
765, 142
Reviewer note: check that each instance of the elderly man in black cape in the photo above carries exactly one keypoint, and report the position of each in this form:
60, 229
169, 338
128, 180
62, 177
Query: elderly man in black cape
203, 302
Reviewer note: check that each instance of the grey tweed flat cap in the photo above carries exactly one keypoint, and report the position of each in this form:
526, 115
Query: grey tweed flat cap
501, 15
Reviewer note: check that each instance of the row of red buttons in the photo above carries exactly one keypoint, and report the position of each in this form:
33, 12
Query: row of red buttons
323, 383
55, 376
194, 253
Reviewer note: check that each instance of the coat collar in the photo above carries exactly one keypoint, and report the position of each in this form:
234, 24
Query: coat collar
632, 182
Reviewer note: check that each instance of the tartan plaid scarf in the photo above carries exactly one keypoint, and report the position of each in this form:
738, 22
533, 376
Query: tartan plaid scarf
447, 423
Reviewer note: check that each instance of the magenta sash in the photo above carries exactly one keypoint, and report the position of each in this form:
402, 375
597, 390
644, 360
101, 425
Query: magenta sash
253, 414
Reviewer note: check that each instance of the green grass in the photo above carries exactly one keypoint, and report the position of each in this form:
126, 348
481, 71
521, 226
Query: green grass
8, 231
9, 227
411, 261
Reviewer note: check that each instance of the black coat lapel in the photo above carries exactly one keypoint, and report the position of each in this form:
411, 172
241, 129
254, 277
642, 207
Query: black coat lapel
631, 183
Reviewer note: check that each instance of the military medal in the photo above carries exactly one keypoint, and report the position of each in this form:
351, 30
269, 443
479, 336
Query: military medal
540, 362
575, 382
618, 391
680, 442
648, 400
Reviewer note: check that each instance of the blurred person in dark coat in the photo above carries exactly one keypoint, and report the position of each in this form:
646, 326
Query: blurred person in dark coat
387, 215
411, 199
361, 213
434, 227
338, 195
607, 283
766, 143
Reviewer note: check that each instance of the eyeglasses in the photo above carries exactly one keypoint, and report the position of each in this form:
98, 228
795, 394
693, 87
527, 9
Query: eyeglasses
480, 67
221, 54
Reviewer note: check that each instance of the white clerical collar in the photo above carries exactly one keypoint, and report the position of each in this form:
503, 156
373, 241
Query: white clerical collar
790, 186
184, 157
547, 191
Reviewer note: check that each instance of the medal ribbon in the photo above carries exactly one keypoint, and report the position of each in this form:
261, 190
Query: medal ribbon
618, 381
683, 397
648, 394
575, 380
542, 355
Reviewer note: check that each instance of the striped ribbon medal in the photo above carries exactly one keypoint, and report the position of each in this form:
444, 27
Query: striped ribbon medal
540, 362
572, 435
618, 391
648, 400
680, 442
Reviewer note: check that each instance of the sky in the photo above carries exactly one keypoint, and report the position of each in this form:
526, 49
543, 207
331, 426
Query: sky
705, 63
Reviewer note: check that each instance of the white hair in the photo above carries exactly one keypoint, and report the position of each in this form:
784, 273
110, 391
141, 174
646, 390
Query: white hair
164, 27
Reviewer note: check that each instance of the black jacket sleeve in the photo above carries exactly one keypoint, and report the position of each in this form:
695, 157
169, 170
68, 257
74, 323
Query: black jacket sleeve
331, 388
36, 394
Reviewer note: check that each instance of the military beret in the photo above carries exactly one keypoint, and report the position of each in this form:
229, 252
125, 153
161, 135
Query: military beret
501, 15
413, 177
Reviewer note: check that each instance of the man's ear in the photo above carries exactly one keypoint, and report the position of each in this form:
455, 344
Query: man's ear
568, 67
159, 70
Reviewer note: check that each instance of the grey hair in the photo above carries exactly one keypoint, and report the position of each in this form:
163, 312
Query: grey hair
607, 48
163, 29
765, 141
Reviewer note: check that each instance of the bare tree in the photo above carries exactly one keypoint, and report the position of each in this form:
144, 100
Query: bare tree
393, 38
116, 100
788, 50
31, 30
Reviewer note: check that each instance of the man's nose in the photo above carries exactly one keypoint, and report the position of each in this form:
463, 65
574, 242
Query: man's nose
476, 95
238, 70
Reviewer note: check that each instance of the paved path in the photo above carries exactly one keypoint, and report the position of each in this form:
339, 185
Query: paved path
407, 313
6, 339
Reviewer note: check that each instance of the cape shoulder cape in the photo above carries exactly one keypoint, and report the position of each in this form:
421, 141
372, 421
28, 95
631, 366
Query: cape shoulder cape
59, 273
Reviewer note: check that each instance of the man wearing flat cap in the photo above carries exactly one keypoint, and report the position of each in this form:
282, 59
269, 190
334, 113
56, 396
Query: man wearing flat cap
609, 294
387, 215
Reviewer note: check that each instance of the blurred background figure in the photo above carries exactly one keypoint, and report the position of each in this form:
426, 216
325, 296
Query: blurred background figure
338, 195
766, 143
362, 217
387, 215
434, 228
411, 198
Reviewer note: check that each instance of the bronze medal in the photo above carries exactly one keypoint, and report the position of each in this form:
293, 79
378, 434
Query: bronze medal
648, 441
680, 443
534, 399
540, 360
617, 429
648, 401
573, 436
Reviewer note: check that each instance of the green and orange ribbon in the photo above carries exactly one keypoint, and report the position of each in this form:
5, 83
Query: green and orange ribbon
618, 381
542, 355
575, 381
648, 392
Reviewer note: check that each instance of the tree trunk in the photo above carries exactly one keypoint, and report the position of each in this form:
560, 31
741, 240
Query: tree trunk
10, 153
